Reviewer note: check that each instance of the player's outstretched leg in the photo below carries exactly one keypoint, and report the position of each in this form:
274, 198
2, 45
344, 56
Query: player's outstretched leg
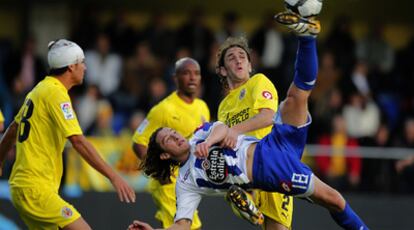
339, 209
243, 206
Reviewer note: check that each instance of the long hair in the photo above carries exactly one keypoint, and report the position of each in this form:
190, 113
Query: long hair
230, 42
153, 166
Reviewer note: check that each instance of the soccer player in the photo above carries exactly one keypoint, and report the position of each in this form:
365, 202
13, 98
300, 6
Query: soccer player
271, 164
248, 109
40, 130
184, 112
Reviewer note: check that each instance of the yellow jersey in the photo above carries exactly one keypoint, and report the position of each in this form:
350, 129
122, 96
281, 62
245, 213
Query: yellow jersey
174, 113
45, 120
244, 102
1, 117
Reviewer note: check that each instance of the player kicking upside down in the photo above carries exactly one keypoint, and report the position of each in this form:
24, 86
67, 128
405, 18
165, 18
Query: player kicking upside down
272, 164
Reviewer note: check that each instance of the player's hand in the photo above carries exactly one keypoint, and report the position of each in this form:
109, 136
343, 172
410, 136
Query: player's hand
230, 141
139, 225
125, 192
202, 149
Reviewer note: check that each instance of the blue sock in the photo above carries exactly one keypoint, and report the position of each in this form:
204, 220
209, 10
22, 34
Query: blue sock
348, 219
306, 66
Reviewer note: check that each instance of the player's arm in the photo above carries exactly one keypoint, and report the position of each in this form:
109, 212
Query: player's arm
259, 121
139, 150
217, 134
89, 153
7, 142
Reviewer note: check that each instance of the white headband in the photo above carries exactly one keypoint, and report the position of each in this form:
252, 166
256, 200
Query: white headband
63, 53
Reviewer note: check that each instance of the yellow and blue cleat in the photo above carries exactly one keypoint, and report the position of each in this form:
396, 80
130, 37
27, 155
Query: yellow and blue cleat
300, 25
243, 206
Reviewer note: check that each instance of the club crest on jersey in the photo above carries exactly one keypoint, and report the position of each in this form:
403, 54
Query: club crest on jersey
267, 95
67, 110
215, 166
287, 186
66, 212
242, 93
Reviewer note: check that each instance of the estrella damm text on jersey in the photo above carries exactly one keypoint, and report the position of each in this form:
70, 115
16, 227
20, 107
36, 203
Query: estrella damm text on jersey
246, 101
44, 121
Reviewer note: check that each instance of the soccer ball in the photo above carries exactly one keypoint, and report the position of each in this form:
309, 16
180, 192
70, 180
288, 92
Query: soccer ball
306, 8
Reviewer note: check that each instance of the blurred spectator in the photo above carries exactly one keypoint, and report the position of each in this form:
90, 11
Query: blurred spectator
31, 67
104, 118
268, 42
328, 76
23, 70
160, 38
86, 26
157, 91
379, 174
128, 164
196, 36
357, 81
323, 110
335, 167
103, 67
211, 82
230, 27
340, 40
87, 108
376, 51
121, 34
405, 167
362, 117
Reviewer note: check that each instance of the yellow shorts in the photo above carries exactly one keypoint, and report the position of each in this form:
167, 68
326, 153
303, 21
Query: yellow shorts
42, 209
276, 206
164, 198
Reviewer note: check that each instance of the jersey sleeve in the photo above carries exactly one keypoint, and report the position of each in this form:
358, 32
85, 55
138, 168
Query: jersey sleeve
187, 201
18, 116
264, 94
153, 121
1, 117
61, 111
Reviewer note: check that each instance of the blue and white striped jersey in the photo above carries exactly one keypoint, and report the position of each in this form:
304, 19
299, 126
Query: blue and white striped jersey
211, 175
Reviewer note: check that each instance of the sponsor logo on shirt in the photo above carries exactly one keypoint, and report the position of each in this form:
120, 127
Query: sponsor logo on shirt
267, 95
67, 110
66, 212
238, 117
215, 166
242, 94
287, 186
142, 126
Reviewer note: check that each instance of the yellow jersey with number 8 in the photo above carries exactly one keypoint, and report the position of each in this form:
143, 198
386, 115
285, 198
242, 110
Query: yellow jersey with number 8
45, 120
